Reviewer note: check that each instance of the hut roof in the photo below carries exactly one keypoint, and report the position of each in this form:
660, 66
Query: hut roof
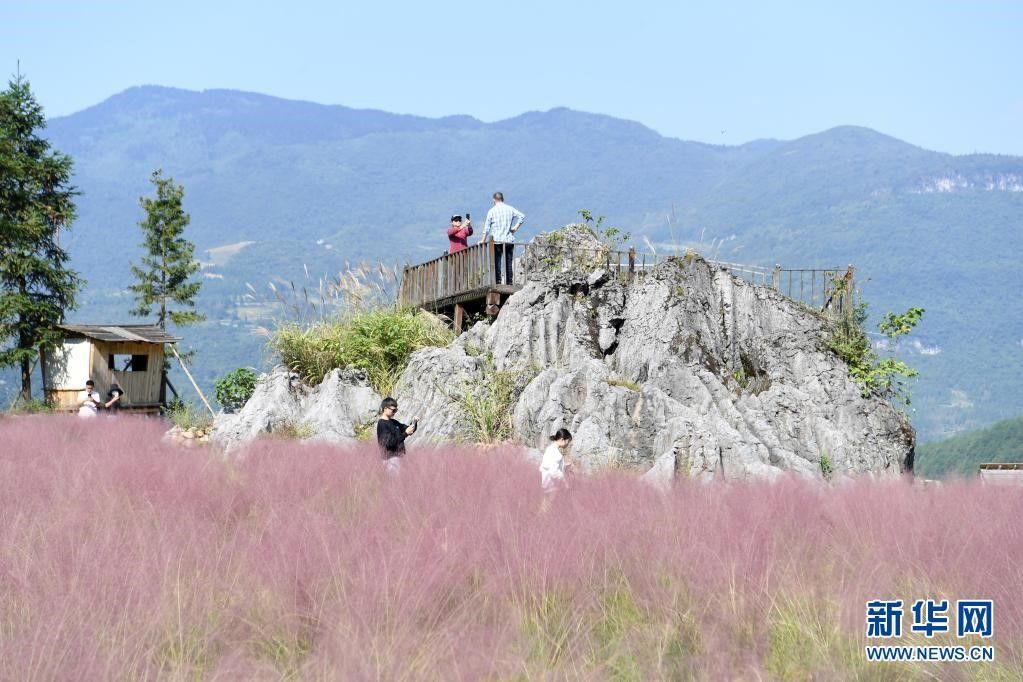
136, 333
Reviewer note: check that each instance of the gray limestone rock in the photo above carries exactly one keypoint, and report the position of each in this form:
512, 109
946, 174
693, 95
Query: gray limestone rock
340, 403
276, 401
684, 371
730, 379
431, 388
332, 409
662, 473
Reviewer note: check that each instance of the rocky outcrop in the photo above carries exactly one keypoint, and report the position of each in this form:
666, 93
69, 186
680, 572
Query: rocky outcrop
687, 366
331, 411
683, 371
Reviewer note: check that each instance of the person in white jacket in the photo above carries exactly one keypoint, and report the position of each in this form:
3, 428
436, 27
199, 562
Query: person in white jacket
555, 461
88, 400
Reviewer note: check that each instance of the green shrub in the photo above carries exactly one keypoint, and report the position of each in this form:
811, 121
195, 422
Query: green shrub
487, 403
379, 341
186, 416
33, 406
624, 383
293, 430
365, 431
884, 376
826, 467
235, 388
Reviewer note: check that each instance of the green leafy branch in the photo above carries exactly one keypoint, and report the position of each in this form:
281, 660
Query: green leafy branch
884, 376
610, 235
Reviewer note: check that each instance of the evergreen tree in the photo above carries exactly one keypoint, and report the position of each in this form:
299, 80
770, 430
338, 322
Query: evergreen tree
169, 262
36, 201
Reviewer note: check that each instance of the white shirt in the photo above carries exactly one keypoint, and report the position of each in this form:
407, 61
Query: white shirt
552, 467
500, 220
89, 408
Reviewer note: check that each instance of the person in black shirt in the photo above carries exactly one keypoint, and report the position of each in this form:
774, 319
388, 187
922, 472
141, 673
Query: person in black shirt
114, 396
391, 433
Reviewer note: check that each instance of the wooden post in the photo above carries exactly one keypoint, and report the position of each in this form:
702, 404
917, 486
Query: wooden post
493, 303
632, 263
492, 257
776, 278
847, 295
459, 318
189, 375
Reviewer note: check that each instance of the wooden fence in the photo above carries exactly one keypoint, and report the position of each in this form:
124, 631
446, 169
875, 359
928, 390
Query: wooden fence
453, 277
471, 273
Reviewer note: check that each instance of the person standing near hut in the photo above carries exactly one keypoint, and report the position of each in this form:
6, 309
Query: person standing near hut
114, 396
503, 221
88, 400
391, 434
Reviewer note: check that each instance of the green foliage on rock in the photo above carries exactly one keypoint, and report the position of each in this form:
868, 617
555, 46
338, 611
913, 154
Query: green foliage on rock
169, 261
612, 236
877, 375
187, 416
37, 287
488, 402
827, 469
235, 388
379, 341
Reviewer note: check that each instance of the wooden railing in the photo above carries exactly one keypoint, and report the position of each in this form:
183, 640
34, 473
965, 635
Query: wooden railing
472, 271
442, 280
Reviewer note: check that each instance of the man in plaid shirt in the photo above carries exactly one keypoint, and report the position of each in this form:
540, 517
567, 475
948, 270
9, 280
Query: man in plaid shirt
502, 222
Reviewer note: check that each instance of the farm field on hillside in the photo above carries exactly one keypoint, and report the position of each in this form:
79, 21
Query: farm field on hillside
125, 557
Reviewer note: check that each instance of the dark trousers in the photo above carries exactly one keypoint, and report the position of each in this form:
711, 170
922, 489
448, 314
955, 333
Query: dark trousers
507, 249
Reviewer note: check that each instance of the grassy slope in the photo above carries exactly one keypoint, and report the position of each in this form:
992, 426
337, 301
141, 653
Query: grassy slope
1002, 442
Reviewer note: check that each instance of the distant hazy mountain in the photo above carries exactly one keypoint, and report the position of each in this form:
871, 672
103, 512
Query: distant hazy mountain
313, 185
961, 455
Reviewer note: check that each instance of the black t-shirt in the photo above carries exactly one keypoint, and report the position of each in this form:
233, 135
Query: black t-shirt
391, 437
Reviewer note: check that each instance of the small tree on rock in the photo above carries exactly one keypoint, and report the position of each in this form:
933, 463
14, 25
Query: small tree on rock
36, 201
169, 262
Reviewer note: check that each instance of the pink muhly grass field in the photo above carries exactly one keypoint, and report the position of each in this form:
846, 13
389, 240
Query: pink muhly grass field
125, 557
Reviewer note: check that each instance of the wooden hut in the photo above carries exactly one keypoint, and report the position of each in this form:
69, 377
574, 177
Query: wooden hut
130, 355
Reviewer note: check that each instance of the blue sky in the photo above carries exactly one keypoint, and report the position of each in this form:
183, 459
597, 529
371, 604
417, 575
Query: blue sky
942, 75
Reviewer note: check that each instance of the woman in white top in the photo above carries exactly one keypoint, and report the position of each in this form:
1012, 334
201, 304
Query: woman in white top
555, 460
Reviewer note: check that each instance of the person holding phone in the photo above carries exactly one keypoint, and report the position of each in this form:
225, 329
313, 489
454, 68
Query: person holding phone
114, 396
459, 233
88, 400
391, 434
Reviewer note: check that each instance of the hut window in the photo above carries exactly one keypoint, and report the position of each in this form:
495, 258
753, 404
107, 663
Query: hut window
128, 363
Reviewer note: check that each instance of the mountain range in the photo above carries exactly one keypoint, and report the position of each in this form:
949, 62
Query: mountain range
279, 188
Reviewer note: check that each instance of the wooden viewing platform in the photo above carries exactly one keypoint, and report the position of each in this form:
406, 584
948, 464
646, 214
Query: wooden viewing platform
463, 284
460, 284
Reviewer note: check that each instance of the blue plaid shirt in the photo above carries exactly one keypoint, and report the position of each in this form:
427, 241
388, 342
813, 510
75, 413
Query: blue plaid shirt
500, 221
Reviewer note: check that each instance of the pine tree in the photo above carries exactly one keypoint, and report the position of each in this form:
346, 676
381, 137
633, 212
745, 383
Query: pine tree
36, 201
169, 262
